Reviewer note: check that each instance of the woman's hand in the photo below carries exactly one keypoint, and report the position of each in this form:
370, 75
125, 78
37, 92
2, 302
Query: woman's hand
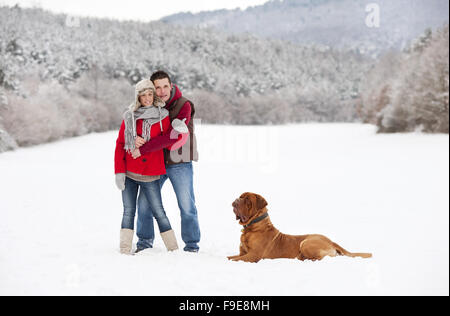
139, 142
136, 153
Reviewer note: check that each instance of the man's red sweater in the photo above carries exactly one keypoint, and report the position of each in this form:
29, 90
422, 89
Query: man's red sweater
165, 140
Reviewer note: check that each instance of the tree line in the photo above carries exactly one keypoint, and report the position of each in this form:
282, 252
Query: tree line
65, 76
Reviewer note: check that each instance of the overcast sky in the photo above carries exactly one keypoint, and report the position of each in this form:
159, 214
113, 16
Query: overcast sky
143, 10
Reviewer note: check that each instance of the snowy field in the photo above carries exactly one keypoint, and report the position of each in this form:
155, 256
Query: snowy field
385, 194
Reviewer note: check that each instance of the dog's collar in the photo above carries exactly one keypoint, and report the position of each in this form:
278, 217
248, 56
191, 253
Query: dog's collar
258, 219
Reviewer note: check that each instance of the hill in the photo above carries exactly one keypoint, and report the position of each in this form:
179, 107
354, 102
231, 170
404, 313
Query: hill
339, 24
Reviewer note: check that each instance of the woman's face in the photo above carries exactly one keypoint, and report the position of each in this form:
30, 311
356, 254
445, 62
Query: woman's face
146, 98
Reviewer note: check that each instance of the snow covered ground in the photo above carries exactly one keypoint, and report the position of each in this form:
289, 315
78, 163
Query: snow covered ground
385, 194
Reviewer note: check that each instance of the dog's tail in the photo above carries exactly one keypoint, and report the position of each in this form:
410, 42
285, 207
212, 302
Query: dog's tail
342, 252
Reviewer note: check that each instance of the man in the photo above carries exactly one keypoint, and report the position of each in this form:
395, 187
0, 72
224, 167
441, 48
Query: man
178, 162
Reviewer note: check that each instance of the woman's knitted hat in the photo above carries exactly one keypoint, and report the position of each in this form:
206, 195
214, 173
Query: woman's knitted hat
142, 86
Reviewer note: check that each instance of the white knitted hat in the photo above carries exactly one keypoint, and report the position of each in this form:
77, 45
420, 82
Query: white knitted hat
142, 86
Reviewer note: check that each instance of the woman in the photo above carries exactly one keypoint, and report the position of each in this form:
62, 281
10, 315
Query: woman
145, 118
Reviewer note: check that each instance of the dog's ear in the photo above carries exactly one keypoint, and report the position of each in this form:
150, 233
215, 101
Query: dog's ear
244, 195
247, 200
254, 199
260, 202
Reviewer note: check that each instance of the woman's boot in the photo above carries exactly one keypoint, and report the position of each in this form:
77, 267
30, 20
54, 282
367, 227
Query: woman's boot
126, 240
170, 240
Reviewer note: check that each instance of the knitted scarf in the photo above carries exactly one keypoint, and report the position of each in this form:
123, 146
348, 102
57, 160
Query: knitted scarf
150, 115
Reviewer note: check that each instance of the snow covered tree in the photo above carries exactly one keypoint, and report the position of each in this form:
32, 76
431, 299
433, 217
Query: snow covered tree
430, 102
83, 74
377, 87
410, 92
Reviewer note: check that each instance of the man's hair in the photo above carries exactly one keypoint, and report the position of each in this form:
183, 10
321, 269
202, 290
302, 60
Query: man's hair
160, 75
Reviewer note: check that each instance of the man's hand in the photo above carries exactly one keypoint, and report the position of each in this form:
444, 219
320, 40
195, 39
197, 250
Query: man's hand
180, 126
136, 153
139, 142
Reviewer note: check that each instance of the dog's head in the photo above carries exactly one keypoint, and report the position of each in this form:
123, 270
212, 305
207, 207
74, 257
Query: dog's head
248, 206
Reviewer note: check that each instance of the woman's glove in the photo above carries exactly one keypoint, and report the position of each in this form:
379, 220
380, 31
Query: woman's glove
120, 181
180, 126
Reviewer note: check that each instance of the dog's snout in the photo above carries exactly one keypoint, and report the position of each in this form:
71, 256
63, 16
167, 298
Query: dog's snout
234, 204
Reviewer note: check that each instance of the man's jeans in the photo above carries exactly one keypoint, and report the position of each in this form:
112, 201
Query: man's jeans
152, 192
181, 177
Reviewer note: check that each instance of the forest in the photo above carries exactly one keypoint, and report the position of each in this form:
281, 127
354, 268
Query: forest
63, 76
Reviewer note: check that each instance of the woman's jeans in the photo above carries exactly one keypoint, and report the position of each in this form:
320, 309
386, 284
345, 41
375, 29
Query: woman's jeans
181, 177
152, 193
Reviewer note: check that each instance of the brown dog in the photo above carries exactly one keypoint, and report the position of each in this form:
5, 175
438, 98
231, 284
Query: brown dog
261, 240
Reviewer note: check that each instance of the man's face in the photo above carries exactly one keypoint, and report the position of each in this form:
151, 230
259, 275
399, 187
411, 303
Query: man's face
163, 89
